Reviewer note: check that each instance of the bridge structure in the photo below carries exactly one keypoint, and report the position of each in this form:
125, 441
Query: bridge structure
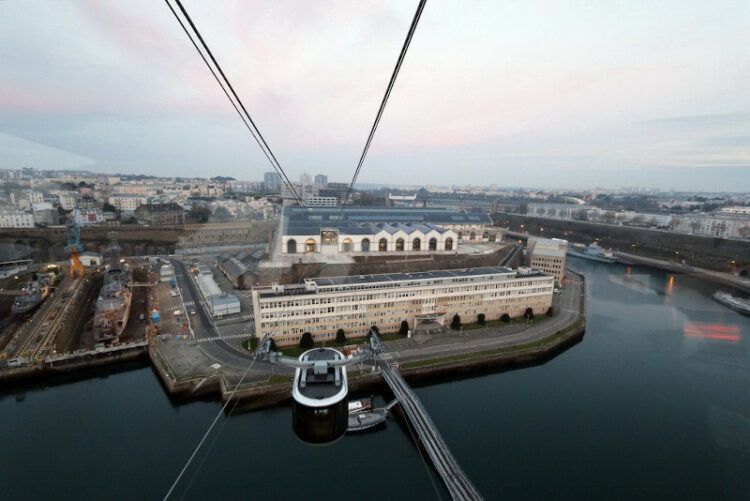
458, 484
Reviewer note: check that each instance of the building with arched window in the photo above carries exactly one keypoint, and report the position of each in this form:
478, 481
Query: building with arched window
351, 230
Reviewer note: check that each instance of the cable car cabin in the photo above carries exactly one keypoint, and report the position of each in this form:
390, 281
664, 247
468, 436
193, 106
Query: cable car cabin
320, 409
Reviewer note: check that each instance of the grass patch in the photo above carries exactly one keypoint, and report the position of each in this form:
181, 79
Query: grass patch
278, 378
500, 323
391, 337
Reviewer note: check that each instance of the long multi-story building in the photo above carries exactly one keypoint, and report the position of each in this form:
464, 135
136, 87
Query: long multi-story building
355, 303
16, 219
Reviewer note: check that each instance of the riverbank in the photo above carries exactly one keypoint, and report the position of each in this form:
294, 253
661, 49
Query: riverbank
718, 277
74, 362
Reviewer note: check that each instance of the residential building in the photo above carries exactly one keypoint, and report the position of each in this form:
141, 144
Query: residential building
123, 202
169, 213
713, 225
318, 201
355, 303
67, 200
82, 217
272, 182
306, 180
35, 197
45, 214
16, 219
321, 180
548, 256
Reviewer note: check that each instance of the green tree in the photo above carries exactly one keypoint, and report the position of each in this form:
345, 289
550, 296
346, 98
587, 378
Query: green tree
505, 318
306, 341
529, 314
252, 343
481, 319
456, 322
272, 345
340, 336
550, 311
404, 329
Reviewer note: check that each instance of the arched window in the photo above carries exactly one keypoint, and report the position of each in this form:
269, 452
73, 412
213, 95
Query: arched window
433, 244
310, 245
400, 244
416, 244
472, 235
347, 245
449, 243
365, 245
383, 245
291, 246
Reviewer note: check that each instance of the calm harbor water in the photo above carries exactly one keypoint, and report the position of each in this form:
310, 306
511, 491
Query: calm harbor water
653, 403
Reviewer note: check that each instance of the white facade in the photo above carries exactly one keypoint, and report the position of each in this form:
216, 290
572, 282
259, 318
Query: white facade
731, 226
35, 197
127, 202
321, 306
396, 238
16, 219
91, 259
83, 217
219, 304
67, 200
318, 201
548, 255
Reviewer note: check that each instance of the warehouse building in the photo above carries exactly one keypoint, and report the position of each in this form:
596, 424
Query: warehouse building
219, 303
355, 303
333, 230
235, 270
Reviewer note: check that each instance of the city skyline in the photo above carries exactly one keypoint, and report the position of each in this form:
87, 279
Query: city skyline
532, 95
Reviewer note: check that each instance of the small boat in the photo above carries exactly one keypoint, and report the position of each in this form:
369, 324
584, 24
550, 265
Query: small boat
361, 405
593, 252
365, 420
736, 303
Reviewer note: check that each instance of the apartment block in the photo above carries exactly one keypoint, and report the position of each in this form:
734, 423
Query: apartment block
355, 303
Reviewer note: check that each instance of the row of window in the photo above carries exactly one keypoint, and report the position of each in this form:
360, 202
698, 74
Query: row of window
348, 246
358, 298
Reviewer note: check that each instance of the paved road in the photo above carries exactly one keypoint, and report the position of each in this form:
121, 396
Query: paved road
203, 327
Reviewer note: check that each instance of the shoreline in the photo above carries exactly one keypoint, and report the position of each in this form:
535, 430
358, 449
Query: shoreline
717, 277
456, 361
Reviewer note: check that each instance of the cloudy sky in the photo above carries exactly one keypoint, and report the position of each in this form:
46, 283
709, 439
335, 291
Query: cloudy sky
533, 93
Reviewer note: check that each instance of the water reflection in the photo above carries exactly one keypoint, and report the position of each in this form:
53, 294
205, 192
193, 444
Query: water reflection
718, 332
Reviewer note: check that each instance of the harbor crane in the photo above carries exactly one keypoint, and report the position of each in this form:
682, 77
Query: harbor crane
75, 248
